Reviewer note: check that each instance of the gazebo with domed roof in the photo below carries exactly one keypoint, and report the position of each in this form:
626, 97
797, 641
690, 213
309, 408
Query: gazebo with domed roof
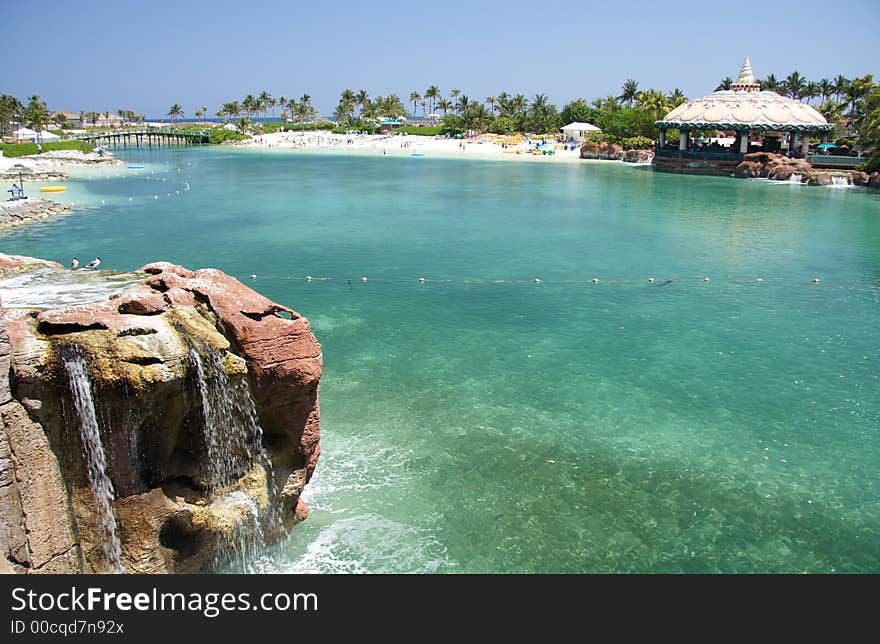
744, 109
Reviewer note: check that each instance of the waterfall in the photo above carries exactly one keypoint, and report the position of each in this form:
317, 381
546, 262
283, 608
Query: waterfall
796, 178
102, 489
233, 445
840, 181
232, 432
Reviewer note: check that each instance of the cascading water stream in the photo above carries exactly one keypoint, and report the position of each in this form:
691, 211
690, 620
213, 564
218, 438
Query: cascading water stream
796, 178
842, 182
74, 364
233, 444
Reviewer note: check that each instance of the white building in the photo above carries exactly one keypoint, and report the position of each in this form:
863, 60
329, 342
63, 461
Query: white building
578, 131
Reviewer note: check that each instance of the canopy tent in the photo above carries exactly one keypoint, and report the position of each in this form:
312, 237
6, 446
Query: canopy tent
578, 131
24, 134
27, 134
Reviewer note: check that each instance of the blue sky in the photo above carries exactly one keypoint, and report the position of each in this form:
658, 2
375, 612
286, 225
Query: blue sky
147, 55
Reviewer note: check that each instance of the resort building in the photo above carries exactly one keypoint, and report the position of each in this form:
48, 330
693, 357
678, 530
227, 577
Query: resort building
577, 131
759, 121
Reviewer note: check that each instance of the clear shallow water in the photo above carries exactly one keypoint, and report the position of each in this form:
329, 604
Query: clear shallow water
695, 427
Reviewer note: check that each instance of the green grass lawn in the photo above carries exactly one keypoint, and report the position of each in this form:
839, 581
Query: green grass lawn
23, 149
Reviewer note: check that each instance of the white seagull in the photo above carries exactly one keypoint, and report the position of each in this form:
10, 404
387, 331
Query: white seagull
94, 263
74, 264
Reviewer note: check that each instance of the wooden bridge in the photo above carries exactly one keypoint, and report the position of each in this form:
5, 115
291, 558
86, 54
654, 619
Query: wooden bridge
146, 137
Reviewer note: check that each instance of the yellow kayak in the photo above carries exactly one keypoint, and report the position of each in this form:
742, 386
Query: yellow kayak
53, 189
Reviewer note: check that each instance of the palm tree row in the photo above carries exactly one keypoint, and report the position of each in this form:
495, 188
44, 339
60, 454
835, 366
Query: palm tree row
359, 106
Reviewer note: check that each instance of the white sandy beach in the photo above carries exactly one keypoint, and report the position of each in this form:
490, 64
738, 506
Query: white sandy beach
52, 165
485, 146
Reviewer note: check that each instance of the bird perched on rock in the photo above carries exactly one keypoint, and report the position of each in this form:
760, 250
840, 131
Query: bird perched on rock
94, 263
74, 264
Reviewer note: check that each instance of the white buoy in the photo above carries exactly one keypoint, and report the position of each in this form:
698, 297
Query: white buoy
155, 196
129, 198
595, 280
177, 192
536, 281
422, 280
650, 280
308, 278
705, 279
815, 280
760, 279
363, 279
253, 277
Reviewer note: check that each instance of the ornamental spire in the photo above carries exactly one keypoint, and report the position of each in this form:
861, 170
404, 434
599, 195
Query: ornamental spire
746, 82
745, 74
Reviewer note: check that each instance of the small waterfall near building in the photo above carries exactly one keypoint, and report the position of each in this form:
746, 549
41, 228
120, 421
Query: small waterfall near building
233, 445
796, 178
74, 364
841, 182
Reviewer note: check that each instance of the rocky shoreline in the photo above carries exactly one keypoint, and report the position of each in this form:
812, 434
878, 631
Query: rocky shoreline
22, 212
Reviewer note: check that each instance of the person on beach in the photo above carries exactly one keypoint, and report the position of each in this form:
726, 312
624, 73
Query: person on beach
16, 192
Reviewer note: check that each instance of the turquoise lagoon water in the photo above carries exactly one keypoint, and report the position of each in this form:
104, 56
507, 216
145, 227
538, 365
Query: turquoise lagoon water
564, 426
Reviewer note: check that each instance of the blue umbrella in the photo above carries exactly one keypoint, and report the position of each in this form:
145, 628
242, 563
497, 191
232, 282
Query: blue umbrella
826, 145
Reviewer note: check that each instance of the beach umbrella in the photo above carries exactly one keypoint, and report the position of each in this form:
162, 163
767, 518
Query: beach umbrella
21, 171
825, 146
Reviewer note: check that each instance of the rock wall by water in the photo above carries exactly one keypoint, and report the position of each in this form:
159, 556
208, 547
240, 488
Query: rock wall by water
202, 434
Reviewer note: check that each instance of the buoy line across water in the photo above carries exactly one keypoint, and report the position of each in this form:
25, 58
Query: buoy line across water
658, 282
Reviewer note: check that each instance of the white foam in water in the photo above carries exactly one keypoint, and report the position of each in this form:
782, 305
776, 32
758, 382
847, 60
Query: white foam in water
796, 178
99, 482
362, 545
51, 287
840, 182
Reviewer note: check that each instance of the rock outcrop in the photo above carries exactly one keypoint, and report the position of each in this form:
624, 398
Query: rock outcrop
27, 211
859, 178
772, 166
638, 156
163, 430
874, 180
604, 151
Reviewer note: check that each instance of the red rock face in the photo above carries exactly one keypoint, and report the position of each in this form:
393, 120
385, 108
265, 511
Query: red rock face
282, 354
772, 166
9, 263
138, 346
605, 151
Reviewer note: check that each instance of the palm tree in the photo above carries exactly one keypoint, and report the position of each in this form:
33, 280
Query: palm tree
839, 86
175, 111
831, 110
433, 95
199, 113
812, 90
795, 85
263, 102
725, 84
630, 92
492, 103
37, 114
454, 94
655, 102
826, 89
361, 98
415, 97
676, 98
608, 104
771, 84
444, 105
